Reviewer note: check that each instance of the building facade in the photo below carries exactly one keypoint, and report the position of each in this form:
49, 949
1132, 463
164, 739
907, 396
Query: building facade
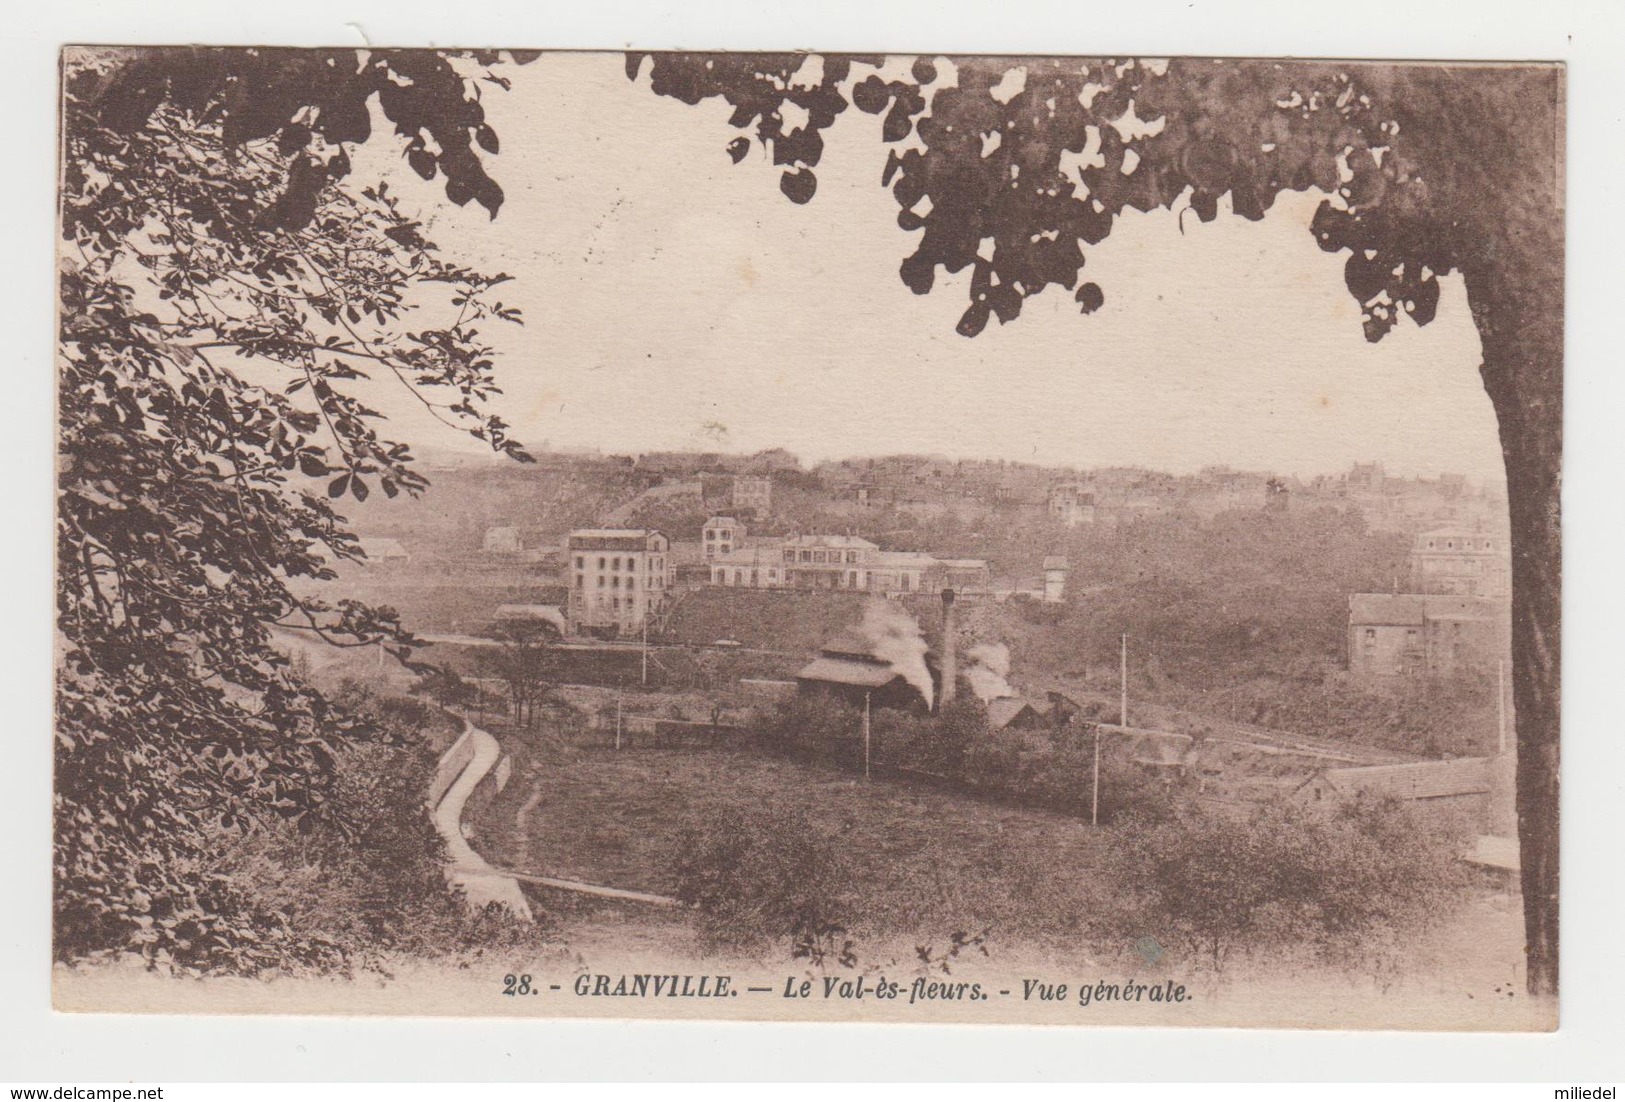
848, 563
720, 536
1409, 634
1055, 572
1461, 561
753, 493
1071, 505
618, 578
502, 541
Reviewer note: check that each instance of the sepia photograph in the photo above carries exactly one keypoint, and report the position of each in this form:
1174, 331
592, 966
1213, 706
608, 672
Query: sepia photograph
808, 536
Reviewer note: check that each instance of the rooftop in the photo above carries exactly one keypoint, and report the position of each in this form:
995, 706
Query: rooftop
1417, 780
382, 547
1495, 852
547, 614
1002, 711
845, 671
830, 541
614, 539
749, 556
904, 558
611, 533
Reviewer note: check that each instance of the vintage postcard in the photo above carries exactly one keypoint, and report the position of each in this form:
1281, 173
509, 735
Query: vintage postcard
1062, 540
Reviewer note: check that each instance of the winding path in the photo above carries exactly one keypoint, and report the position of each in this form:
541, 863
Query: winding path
467, 870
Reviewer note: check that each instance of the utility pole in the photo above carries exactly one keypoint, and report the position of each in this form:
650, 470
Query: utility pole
617, 719
1122, 721
1122, 678
1501, 704
1094, 799
866, 736
646, 649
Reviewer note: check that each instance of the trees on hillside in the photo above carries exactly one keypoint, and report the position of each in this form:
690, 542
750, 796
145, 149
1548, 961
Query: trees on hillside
1014, 166
521, 660
1243, 594
225, 294
1284, 880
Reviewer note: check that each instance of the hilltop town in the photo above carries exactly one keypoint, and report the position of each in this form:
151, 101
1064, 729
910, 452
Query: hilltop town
1081, 644
1311, 603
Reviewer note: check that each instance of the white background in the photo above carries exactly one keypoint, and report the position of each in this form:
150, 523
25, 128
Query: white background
39, 1047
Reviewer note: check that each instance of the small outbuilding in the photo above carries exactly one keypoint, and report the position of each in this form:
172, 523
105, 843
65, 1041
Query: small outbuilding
1457, 789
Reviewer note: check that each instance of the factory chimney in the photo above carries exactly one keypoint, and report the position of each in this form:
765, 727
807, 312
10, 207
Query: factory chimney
950, 642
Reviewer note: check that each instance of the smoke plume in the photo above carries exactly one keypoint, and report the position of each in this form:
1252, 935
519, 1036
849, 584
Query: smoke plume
896, 640
988, 671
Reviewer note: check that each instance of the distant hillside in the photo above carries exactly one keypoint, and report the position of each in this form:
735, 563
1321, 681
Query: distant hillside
452, 515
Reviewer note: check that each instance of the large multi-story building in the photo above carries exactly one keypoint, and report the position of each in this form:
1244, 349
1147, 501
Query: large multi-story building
618, 578
1461, 561
1400, 634
844, 563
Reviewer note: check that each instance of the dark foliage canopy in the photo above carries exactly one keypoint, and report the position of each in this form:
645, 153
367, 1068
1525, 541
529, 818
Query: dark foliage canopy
1017, 165
223, 299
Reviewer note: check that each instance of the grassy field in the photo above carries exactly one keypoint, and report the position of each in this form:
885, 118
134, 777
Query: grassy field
922, 864
918, 860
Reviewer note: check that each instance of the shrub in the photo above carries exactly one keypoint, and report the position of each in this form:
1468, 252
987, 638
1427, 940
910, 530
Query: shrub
760, 877
1286, 878
815, 727
361, 879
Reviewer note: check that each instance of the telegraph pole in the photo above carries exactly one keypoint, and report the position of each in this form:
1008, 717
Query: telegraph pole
1122, 721
1094, 799
1501, 704
866, 736
617, 719
646, 649
1122, 679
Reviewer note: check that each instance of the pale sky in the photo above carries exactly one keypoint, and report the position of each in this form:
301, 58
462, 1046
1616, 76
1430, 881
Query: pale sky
674, 300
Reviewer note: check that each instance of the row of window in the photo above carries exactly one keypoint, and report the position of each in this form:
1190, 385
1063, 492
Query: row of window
630, 604
805, 555
1411, 634
1466, 544
850, 579
606, 563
